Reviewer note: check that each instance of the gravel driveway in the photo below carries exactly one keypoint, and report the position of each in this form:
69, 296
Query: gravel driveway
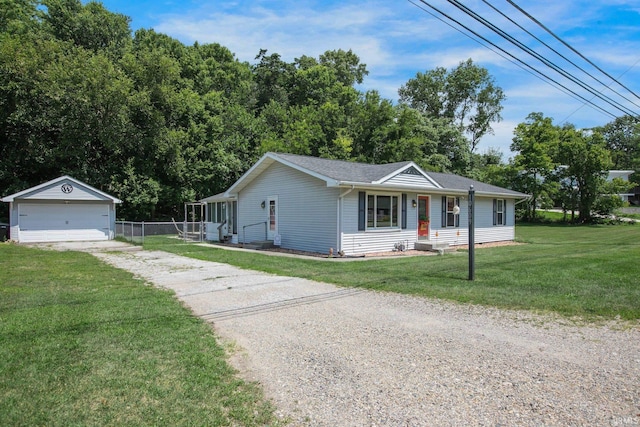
330, 356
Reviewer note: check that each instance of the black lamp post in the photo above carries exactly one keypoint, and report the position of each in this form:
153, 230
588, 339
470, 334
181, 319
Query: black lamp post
472, 267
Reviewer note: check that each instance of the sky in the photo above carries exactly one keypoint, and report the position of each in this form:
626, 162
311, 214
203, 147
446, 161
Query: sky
396, 39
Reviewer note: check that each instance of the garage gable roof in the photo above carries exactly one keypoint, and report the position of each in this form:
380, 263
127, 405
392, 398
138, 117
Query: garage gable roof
62, 188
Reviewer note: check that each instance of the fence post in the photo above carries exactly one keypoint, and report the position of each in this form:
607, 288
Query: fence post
143, 232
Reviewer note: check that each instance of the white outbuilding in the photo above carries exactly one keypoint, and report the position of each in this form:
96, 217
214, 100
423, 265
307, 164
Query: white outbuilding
63, 209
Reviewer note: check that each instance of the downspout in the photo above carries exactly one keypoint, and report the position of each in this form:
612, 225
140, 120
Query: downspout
339, 223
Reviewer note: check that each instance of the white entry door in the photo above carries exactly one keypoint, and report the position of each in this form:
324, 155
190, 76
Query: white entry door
272, 220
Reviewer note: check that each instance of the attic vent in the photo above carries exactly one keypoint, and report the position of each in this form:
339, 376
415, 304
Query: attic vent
412, 171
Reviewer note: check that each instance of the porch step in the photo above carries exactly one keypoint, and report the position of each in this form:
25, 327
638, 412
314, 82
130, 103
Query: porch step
259, 244
433, 247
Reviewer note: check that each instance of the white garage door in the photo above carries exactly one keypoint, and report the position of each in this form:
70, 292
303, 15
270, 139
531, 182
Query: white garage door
59, 223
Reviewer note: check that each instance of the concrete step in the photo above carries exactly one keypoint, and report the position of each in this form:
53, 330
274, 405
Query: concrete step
430, 246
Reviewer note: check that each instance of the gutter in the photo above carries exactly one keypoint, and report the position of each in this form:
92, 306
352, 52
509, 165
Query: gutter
423, 189
339, 217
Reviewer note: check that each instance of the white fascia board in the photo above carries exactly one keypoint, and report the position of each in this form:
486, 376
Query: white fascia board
427, 190
250, 175
402, 169
36, 188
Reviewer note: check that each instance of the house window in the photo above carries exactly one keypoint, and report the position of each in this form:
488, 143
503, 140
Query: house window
382, 211
499, 212
217, 212
450, 211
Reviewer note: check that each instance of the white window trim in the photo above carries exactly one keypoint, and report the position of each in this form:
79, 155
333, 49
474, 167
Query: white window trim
398, 214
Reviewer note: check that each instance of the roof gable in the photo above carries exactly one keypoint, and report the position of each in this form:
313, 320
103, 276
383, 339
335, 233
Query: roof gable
391, 175
62, 188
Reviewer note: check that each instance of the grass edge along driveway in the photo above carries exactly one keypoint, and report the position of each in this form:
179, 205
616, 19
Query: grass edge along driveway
585, 272
83, 343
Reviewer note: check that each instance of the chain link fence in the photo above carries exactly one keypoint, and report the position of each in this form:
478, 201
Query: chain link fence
135, 232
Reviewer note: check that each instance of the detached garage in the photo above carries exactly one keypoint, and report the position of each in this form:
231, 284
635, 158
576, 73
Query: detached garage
60, 210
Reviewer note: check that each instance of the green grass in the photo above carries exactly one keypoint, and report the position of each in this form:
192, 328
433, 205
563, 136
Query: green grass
83, 344
586, 271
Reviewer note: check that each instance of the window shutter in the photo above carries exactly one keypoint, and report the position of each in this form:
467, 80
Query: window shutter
458, 216
362, 210
504, 212
444, 212
404, 211
495, 211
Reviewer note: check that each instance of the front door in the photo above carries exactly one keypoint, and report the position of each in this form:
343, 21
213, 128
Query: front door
272, 220
423, 217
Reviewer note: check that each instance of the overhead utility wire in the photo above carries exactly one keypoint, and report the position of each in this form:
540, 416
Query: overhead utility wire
549, 81
540, 58
518, 59
569, 46
620, 76
608, 86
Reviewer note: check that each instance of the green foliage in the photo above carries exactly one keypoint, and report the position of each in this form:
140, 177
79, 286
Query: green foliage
157, 123
466, 95
535, 143
608, 201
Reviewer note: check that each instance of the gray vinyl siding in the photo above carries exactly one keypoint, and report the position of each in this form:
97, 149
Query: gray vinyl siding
307, 209
354, 242
54, 192
485, 231
403, 179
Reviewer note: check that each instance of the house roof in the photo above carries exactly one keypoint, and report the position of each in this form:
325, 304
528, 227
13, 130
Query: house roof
457, 182
338, 173
220, 197
341, 170
33, 191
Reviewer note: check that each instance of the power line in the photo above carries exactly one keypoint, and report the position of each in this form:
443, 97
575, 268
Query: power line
517, 59
551, 82
569, 46
539, 57
620, 76
608, 86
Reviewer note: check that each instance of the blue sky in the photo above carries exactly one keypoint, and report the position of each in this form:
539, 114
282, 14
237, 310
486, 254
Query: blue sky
397, 39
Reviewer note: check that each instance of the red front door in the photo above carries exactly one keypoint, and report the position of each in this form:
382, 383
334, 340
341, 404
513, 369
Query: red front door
423, 217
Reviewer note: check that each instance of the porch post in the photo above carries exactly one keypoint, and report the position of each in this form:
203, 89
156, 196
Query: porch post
471, 234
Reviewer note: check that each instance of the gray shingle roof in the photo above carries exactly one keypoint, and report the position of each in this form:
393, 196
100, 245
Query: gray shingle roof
457, 182
341, 170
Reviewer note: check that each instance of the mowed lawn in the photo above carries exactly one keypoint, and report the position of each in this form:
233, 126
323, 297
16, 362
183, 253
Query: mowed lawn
591, 272
83, 344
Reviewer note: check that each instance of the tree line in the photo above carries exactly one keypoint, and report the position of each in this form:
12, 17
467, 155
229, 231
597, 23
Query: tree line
157, 123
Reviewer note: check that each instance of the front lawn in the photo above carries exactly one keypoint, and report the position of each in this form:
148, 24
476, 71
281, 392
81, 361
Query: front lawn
586, 271
82, 343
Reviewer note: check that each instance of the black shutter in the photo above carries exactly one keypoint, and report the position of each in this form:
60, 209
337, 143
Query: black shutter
504, 212
404, 211
362, 210
458, 216
444, 211
495, 211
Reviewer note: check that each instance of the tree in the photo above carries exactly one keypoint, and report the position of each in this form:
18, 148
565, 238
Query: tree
90, 26
535, 143
587, 163
467, 96
622, 138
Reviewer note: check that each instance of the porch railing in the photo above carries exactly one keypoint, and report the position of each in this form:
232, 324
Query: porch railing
244, 227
